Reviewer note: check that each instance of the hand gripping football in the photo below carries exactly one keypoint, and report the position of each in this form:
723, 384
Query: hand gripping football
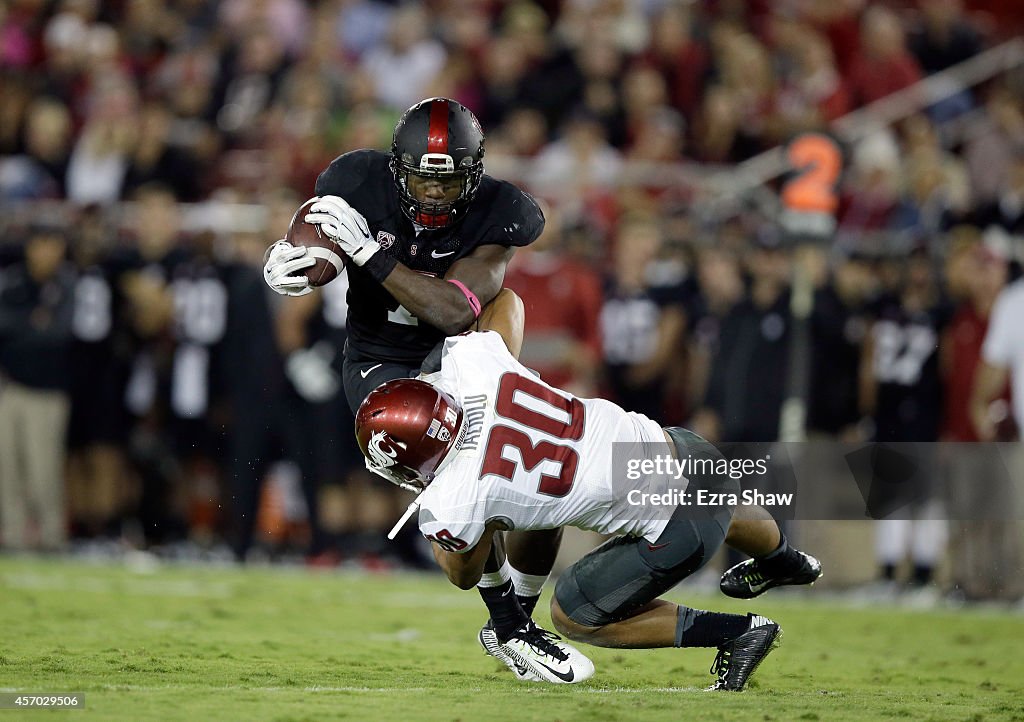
330, 259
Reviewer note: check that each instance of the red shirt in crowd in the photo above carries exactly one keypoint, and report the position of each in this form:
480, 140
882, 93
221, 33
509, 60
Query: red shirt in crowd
871, 80
563, 302
964, 338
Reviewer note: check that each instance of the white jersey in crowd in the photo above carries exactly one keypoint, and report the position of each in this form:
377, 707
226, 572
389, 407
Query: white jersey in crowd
1004, 343
534, 456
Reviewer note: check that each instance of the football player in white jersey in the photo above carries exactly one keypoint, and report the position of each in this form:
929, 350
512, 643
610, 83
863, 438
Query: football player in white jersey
491, 448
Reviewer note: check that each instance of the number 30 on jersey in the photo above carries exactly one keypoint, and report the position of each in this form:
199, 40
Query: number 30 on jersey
543, 414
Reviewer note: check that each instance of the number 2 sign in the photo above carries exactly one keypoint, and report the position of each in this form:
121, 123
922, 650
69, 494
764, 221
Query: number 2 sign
810, 196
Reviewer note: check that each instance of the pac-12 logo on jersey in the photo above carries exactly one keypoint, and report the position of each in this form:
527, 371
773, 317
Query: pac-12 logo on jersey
385, 239
381, 455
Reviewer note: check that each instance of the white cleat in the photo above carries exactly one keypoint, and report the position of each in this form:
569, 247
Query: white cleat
537, 655
489, 641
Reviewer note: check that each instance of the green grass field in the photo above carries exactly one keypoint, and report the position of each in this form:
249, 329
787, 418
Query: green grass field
285, 644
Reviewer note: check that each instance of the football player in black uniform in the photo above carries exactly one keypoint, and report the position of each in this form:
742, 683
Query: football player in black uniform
902, 388
427, 237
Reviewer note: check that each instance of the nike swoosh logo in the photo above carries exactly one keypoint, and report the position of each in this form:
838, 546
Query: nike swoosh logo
755, 588
656, 547
435, 254
564, 676
521, 669
366, 372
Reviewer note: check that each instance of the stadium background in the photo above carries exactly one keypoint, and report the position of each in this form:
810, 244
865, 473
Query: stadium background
150, 151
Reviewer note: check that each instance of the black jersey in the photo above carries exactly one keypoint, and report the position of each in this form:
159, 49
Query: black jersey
181, 368
837, 333
908, 405
100, 354
378, 327
630, 322
748, 373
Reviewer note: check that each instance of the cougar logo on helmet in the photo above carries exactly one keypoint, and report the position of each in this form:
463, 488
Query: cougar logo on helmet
380, 455
415, 412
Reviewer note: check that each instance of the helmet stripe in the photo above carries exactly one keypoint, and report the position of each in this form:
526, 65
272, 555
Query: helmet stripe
437, 134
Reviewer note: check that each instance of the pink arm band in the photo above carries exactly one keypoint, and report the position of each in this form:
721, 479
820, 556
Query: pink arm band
474, 302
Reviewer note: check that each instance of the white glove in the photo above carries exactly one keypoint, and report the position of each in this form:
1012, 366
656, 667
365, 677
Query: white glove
281, 261
344, 225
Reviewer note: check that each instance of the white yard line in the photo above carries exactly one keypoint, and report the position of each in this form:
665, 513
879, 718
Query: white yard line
530, 689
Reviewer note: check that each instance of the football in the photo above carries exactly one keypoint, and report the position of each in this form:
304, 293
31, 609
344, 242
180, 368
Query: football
330, 260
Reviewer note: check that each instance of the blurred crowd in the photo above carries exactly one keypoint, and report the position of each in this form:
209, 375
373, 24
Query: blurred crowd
240, 97
150, 151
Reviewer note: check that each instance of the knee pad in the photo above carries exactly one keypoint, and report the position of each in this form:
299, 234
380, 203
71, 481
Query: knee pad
575, 605
622, 575
679, 551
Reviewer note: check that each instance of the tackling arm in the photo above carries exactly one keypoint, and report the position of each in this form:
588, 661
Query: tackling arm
505, 315
464, 569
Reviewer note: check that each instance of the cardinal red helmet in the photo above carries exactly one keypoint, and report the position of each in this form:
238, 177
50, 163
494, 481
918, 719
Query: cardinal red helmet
408, 430
437, 156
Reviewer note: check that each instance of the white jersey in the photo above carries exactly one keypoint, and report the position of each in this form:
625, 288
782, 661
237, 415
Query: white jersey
534, 456
1004, 343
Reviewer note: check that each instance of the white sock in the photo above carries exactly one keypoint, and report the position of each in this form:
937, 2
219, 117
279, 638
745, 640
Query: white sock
891, 538
928, 542
496, 579
527, 585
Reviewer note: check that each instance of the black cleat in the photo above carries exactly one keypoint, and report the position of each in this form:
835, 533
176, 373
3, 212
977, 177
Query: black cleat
748, 579
738, 659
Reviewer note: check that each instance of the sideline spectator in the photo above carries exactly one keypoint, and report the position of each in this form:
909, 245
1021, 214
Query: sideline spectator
987, 554
641, 324
902, 390
747, 384
36, 305
561, 338
884, 65
1002, 360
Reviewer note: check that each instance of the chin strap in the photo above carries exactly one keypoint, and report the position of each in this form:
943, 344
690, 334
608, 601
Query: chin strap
414, 506
412, 509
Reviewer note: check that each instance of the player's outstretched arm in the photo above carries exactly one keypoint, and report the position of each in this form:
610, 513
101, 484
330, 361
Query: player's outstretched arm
451, 304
